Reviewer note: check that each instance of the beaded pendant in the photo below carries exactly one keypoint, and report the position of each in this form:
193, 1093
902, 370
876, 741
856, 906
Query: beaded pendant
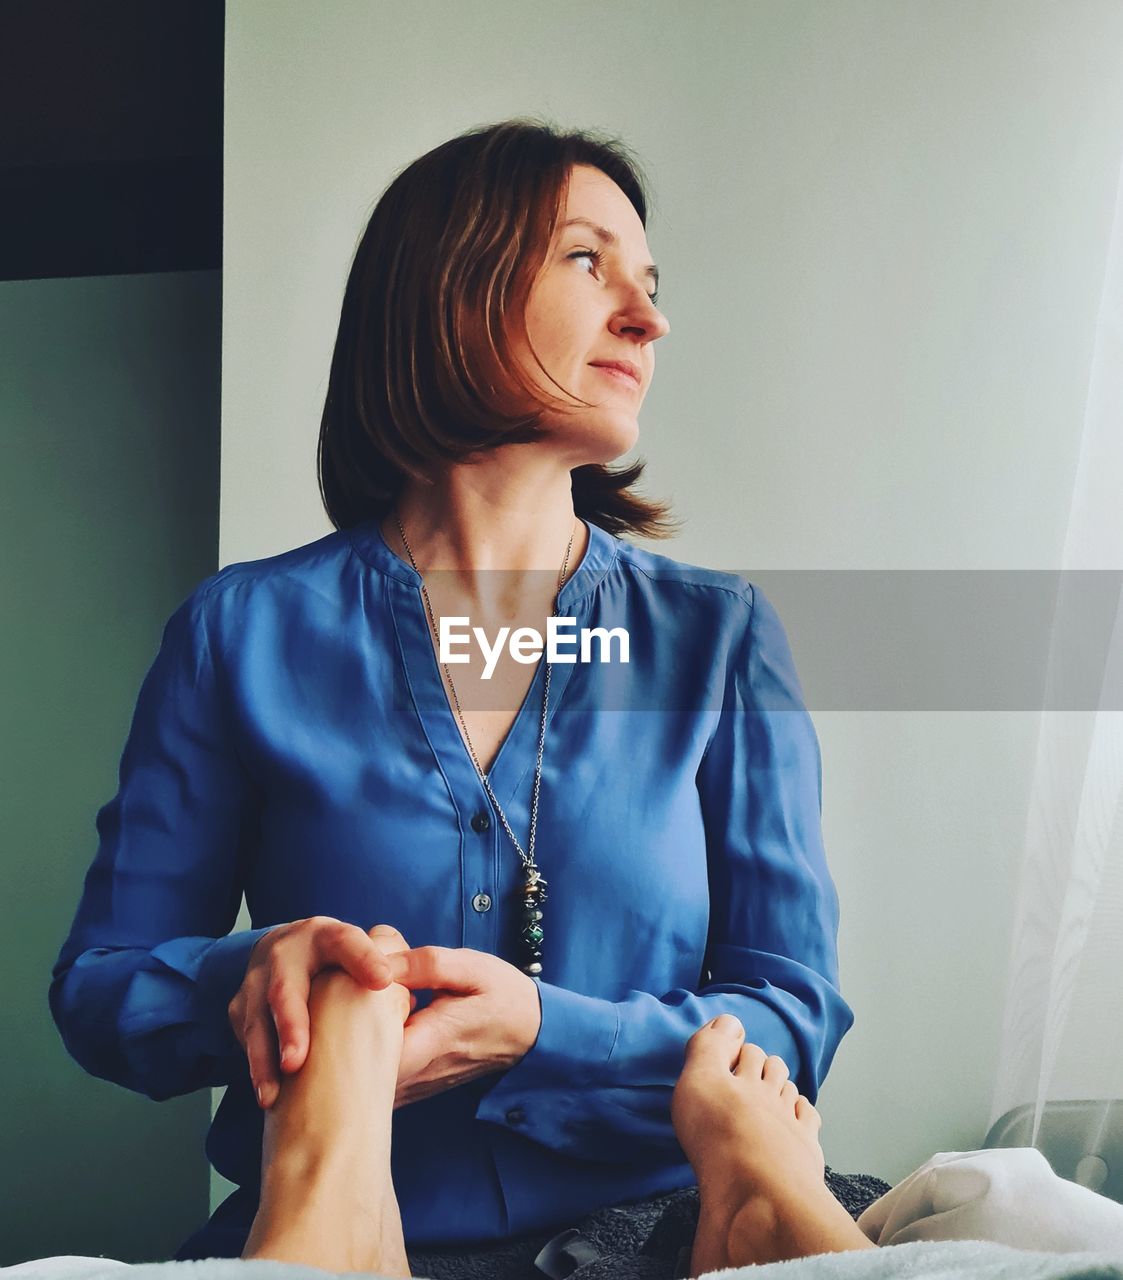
534, 895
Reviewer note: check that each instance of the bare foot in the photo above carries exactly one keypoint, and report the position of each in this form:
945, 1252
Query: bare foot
753, 1141
327, 1198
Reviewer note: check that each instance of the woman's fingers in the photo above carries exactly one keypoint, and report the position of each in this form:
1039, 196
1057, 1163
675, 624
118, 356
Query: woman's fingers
287, 997
269, 1013
353, 949
261, 1054
436, 969
388, 938
290, 987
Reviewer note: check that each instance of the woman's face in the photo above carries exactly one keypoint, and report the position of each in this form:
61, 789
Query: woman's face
592, 302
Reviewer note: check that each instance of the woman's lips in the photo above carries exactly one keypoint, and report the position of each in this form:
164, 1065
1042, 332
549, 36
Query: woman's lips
619, 375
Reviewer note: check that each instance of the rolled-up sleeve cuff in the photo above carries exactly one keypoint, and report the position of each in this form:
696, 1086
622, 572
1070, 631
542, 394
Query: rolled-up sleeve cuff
575, 1042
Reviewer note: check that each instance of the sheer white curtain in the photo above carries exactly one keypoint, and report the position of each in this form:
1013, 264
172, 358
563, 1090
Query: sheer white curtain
1061, 1058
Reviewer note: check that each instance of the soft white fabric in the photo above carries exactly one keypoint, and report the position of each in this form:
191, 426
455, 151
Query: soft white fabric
65, 1266
1007, 1195
924, 1260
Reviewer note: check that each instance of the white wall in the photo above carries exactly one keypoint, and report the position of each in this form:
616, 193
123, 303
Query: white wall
881, 229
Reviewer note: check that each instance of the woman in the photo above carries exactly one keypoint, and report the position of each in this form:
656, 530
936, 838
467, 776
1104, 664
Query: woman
583, 884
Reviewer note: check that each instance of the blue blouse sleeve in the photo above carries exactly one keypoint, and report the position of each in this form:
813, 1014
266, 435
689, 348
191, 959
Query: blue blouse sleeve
598, 1081
141, 986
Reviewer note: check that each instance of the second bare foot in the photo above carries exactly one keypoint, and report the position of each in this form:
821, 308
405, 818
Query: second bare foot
753, 1141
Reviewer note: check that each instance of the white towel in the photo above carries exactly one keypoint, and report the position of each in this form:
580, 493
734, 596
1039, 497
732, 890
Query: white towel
64, 1266
924, 1260
1008, 1195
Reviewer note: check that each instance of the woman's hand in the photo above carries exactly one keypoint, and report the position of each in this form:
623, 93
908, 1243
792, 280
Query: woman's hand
269, 1012
484, 1016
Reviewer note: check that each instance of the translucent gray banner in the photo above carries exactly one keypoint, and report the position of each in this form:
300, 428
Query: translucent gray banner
953, 640
874, 640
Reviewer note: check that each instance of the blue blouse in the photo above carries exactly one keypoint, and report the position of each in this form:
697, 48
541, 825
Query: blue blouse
293, 741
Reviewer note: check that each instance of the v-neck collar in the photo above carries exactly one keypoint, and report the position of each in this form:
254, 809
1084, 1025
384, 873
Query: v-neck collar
518, 752
600, 554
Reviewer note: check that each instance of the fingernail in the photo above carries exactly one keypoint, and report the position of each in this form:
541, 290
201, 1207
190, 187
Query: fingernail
286, 1055
260, 1098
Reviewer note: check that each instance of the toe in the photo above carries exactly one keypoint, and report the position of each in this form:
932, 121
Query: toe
806, 1113
717, 1043
751, 1061
789, 1093
775, 1070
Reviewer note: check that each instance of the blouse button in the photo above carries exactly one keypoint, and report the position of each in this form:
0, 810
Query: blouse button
481, 902
480, 822
516, 1116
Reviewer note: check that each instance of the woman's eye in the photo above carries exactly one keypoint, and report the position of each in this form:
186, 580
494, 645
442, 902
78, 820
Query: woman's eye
598, 257
595, 254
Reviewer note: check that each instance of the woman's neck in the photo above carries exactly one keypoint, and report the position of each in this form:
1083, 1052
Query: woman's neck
485, 533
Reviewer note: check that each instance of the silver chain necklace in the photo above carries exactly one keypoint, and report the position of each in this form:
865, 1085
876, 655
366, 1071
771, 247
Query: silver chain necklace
533, 891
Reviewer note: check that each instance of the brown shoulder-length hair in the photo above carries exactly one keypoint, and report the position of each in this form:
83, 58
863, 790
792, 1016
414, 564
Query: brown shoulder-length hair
422, 373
